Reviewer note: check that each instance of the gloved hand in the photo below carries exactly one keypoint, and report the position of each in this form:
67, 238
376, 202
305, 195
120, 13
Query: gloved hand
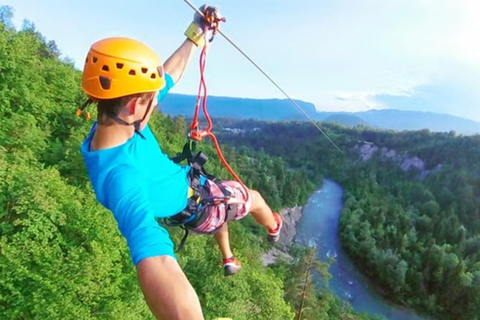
195, 32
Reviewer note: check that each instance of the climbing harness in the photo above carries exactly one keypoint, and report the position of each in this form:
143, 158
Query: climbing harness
200, 199
269, 78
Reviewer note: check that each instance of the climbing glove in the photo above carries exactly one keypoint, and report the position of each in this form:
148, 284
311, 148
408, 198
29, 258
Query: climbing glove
196, 31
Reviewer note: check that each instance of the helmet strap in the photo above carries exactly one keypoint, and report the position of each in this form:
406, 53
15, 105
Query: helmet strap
136, 124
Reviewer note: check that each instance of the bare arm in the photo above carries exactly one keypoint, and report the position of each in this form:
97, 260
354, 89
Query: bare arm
167, 290
177, 63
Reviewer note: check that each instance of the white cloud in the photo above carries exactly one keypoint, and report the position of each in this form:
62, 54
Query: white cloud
349, 102
395, 47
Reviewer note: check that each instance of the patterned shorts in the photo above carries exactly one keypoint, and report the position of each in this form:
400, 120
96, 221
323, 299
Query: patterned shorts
217, 215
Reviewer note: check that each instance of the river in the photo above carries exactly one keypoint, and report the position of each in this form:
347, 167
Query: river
318, 228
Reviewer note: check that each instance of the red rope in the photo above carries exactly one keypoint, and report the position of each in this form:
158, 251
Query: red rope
197, 134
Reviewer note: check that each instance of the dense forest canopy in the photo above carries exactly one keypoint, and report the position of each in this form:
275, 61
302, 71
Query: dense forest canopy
414, 232
61, 255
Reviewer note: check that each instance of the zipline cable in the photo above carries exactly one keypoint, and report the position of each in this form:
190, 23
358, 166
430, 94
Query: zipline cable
268, 77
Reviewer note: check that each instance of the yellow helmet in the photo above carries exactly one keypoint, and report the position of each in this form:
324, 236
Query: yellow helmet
118, 67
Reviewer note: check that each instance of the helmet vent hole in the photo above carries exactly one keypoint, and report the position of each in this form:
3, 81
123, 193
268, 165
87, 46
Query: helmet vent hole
95, 59
153, 76
105, 68
132, 72
119, 65
105, 82
144, 70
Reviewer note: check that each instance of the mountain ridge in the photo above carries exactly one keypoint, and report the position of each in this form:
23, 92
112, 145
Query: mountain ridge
283, 110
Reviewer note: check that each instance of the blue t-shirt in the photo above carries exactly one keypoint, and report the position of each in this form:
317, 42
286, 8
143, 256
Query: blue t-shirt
139, 183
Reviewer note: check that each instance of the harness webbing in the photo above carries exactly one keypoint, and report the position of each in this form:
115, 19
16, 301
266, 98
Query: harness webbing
198, 203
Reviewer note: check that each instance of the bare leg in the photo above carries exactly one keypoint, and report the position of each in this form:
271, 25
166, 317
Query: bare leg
223, 242
261, 212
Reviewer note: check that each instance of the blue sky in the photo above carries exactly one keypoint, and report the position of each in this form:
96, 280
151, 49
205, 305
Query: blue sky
347, 55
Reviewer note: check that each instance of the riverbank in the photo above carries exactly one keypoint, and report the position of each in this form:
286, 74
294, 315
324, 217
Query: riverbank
316, 225
318, 228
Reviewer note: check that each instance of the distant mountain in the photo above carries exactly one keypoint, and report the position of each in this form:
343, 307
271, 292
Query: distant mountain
262, 109
346, 119
283, 110
416, 120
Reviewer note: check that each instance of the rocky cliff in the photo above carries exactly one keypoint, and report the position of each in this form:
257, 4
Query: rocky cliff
290, 217
406, 161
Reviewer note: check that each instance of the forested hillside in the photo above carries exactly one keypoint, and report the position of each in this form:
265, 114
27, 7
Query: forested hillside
61, 255
420, 238
416, 237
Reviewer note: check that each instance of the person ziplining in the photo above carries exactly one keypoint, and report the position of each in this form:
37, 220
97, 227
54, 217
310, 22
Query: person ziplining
139, 184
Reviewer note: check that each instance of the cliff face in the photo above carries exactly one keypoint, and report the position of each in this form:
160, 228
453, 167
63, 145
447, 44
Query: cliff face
290, 217
404, 160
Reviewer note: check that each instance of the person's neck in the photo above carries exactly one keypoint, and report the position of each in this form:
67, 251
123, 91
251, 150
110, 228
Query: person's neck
111, 136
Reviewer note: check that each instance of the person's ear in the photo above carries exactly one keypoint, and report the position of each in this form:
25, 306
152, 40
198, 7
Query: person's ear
132, 106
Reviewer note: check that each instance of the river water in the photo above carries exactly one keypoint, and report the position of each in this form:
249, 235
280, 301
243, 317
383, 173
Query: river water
318, 228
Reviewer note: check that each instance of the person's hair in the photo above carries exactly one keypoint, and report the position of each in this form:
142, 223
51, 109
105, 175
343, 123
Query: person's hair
111, 107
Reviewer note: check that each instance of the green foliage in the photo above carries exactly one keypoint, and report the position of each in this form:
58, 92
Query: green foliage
307, 301
61, 255
411, 234
415, 237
